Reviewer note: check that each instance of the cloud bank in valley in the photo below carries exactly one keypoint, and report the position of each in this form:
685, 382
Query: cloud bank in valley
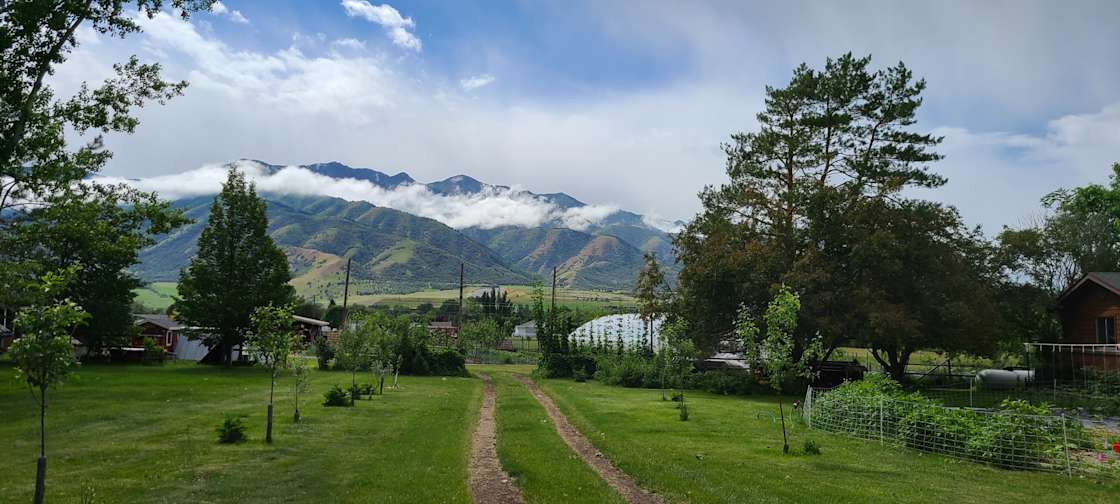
492, 207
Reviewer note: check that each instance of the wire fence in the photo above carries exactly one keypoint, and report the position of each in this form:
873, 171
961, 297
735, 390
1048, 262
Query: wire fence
1051, 443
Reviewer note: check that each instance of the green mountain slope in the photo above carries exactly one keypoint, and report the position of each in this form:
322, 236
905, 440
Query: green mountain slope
391, 251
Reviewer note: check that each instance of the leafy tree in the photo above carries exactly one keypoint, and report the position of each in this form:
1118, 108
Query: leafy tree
40, 169
773, 349
102, 228
301, 384
39, 36
827, 142
43, 355
484, 333
238, 268
652, 293
271, 343
355, 350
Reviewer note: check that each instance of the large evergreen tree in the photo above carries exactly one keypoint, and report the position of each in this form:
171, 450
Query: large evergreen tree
832, 145
238, 268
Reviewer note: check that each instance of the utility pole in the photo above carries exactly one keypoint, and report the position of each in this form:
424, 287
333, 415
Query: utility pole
346, 297
459, 324
552, 311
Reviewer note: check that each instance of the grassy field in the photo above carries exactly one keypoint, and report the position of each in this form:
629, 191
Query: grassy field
146, 434
730, 451
158, 295
532, 452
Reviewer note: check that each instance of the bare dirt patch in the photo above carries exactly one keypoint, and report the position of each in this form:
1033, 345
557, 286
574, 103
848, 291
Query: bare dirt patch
489, 483
620, 481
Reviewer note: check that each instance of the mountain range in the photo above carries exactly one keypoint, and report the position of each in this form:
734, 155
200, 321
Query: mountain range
395, 251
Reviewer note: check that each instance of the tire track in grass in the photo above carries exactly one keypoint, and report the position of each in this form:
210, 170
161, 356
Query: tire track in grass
622, 482
489, 483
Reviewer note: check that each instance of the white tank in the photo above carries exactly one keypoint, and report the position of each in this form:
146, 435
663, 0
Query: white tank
1002, 379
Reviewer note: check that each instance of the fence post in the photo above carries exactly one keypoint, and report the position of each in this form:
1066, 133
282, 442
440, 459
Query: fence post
880, 420
1065, 446
808, 407
971, 385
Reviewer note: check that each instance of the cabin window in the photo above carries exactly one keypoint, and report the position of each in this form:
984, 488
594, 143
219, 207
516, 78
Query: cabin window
1106, 330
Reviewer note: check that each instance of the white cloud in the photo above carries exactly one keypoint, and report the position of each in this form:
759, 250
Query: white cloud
389, 18
493, 207
345, 87
220, 9
350, 43
475, 82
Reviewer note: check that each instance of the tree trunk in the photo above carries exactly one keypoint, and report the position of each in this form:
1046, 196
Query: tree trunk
227, 349
41, 468
782, 412
271, 390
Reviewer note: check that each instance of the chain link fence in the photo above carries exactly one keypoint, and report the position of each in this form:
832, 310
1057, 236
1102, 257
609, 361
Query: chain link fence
1011, 440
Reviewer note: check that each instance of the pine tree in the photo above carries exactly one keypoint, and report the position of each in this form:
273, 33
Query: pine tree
238, 268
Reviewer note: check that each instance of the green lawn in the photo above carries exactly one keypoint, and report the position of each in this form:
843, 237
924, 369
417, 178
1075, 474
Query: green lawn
532, 452
146, 434
730, 451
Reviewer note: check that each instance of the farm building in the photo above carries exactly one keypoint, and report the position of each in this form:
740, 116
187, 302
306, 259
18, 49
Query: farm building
1088, 311
311, 329
162, 329
527, 330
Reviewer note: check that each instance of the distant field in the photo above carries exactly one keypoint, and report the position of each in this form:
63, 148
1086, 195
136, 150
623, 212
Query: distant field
158, 295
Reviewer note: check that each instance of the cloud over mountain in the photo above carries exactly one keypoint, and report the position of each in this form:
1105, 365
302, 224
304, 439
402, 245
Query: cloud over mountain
490, 207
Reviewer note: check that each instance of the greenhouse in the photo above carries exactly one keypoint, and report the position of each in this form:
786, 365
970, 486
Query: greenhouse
609, 329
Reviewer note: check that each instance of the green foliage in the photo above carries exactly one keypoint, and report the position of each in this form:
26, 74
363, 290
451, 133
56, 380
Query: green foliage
324, 352
153, 353
337, 396
232, 429
773, 350
682, 409
483, 333
1018, 435
43, 355
237, 269
726, 383
809, 447
273, 339
301, 384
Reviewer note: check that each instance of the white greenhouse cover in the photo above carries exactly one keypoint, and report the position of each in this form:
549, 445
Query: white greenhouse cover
629, 325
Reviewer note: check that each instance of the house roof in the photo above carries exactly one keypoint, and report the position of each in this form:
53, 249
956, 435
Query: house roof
310, 321
1110, 280
162, 321
532, 324
441, 325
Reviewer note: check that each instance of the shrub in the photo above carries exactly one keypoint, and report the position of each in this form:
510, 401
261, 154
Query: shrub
726, 383
683, 409
324, 352
810, 448
1019, 435
232, 429
153, 353
580, 375
337, 396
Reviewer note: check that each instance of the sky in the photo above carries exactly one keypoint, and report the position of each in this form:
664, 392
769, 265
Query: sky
623, 104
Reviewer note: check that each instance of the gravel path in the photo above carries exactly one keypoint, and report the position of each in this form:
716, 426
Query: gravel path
622, 482
489, 483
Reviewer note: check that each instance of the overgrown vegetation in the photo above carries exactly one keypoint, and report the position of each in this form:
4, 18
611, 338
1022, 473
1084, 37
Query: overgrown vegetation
1017, 435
